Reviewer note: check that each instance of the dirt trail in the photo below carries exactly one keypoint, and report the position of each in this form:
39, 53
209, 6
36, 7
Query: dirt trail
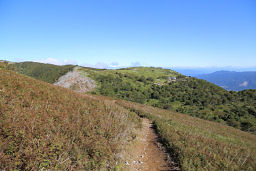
147, 153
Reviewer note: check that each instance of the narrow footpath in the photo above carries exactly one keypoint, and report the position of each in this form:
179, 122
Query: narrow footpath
148, 153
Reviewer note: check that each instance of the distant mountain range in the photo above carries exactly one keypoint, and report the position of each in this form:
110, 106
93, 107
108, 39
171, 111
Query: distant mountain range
195, 71
231, 80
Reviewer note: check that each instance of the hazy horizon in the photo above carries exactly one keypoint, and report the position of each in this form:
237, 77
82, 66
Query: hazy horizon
186, 70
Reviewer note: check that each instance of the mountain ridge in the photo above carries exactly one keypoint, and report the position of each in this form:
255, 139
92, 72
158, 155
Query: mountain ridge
232, 80
168, 89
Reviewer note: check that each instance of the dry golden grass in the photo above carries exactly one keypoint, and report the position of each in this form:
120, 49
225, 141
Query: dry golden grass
44, 126
199, 144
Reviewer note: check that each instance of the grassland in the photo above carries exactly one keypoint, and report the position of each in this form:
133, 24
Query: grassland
153, 72
199, 144
47, 127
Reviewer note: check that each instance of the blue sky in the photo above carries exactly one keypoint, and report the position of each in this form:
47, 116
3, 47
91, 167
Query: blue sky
166, 33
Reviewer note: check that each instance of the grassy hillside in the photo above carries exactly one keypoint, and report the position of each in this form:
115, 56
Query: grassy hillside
133, 84
199, 144
166, 89
47, 127
170, 90
45, 72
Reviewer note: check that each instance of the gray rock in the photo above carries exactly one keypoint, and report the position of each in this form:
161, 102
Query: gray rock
76, 81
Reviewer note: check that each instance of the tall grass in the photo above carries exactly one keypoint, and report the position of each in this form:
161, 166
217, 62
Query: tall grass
199, 144
47, 127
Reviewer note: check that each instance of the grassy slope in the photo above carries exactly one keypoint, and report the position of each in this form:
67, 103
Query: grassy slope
45, 72
44, 126
152, 72
186, 95
148, 85
123, 83
199, 144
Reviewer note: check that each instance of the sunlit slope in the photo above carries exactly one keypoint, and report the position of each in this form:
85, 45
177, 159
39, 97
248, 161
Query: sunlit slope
45, 72
161, 88
168, 89
44, 126
199, 144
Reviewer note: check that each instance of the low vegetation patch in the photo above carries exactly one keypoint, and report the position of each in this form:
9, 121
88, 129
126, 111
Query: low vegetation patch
44, 72
47, 127
199, 144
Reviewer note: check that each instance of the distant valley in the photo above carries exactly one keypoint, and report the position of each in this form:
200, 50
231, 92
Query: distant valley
231, 80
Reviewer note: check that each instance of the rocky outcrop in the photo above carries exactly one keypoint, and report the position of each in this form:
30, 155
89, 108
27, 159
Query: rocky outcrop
76, 81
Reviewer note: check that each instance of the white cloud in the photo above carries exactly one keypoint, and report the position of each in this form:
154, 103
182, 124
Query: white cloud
18, 59
244, 84
114, 64
51, 61
58, 62
99, 65
102, 65
135, 64
67, 62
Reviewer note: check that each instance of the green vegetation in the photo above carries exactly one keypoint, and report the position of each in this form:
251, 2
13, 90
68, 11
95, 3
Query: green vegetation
199, 144
47, 127
162, 88
45, 72
130, 84
169, 90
